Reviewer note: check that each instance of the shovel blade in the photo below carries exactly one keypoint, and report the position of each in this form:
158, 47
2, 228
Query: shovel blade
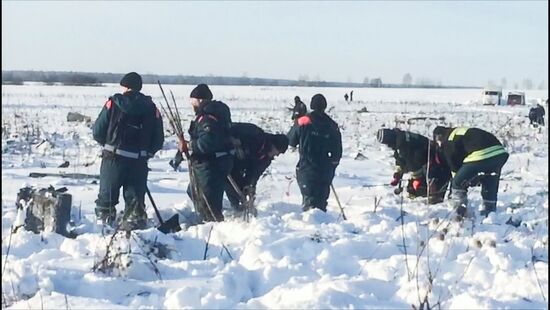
171, 225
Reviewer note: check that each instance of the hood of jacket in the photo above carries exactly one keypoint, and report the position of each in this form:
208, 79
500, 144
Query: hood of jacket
133, 102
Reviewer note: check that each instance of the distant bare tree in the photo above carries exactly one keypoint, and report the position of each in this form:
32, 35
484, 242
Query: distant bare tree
527, 84
366, 80
377, 82
407, 79
303, 80
503, 83
79, 79
424, 81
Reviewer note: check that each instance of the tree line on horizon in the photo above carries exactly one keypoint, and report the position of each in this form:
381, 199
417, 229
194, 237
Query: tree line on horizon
18, 77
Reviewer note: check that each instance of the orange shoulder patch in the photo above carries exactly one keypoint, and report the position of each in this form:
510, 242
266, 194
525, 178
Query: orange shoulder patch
108, 104
304, 120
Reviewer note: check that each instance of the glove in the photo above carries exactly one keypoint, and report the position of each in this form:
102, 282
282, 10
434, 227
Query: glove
183, 145
416, 184
396, 178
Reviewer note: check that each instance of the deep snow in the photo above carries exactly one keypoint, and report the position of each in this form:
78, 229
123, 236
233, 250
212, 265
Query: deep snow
283, 258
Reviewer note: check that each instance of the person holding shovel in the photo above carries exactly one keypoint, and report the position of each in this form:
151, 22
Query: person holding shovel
129, 128
320, 144
211, 153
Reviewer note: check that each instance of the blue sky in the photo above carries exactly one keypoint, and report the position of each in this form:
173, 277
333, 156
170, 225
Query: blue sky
459, 43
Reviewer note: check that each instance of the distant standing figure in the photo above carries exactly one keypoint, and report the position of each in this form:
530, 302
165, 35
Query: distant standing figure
536, 115
346, 97
351, 96
299, 108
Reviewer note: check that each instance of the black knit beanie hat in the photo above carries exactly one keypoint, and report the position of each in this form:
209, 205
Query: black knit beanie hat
387, 136
441, 132
279, 141
318, 103
201, 92
132, 80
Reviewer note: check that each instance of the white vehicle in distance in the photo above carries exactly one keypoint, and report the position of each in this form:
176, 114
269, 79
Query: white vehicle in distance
516, 98
492, 96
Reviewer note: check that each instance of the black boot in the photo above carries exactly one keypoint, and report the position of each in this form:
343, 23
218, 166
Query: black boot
488, 207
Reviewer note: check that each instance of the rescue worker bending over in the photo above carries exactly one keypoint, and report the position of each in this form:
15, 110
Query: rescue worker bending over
475, 156
254, 151
411, 156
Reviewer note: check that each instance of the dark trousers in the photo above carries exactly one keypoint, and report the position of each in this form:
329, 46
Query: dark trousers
314, 185
485, 172
209, 177
117, 172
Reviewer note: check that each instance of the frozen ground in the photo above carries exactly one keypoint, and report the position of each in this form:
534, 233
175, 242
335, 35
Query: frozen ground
283, 258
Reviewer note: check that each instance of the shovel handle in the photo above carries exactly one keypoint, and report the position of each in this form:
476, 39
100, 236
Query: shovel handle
154, 206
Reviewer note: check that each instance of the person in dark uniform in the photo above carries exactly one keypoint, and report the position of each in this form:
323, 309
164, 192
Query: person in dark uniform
475, 157
320, 151
299, 108
254, 151
211, 152
411, 156
129, 127
536, 115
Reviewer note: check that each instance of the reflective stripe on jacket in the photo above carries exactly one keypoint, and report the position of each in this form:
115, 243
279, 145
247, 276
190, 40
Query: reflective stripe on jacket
485, 153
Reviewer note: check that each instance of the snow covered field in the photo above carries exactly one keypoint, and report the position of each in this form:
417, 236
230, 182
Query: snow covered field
283, 258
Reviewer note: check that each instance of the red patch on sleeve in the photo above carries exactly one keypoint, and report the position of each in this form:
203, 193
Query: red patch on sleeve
207, 115
108, 104
304, 120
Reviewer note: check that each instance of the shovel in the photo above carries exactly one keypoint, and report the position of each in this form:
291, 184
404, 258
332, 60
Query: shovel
171, 225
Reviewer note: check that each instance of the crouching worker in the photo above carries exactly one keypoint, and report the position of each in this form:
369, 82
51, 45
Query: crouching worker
320, 149
411, 156
211, 153
475, 157
129, 127
254, 151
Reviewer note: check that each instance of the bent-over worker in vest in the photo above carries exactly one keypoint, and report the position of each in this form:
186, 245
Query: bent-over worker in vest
475, 157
